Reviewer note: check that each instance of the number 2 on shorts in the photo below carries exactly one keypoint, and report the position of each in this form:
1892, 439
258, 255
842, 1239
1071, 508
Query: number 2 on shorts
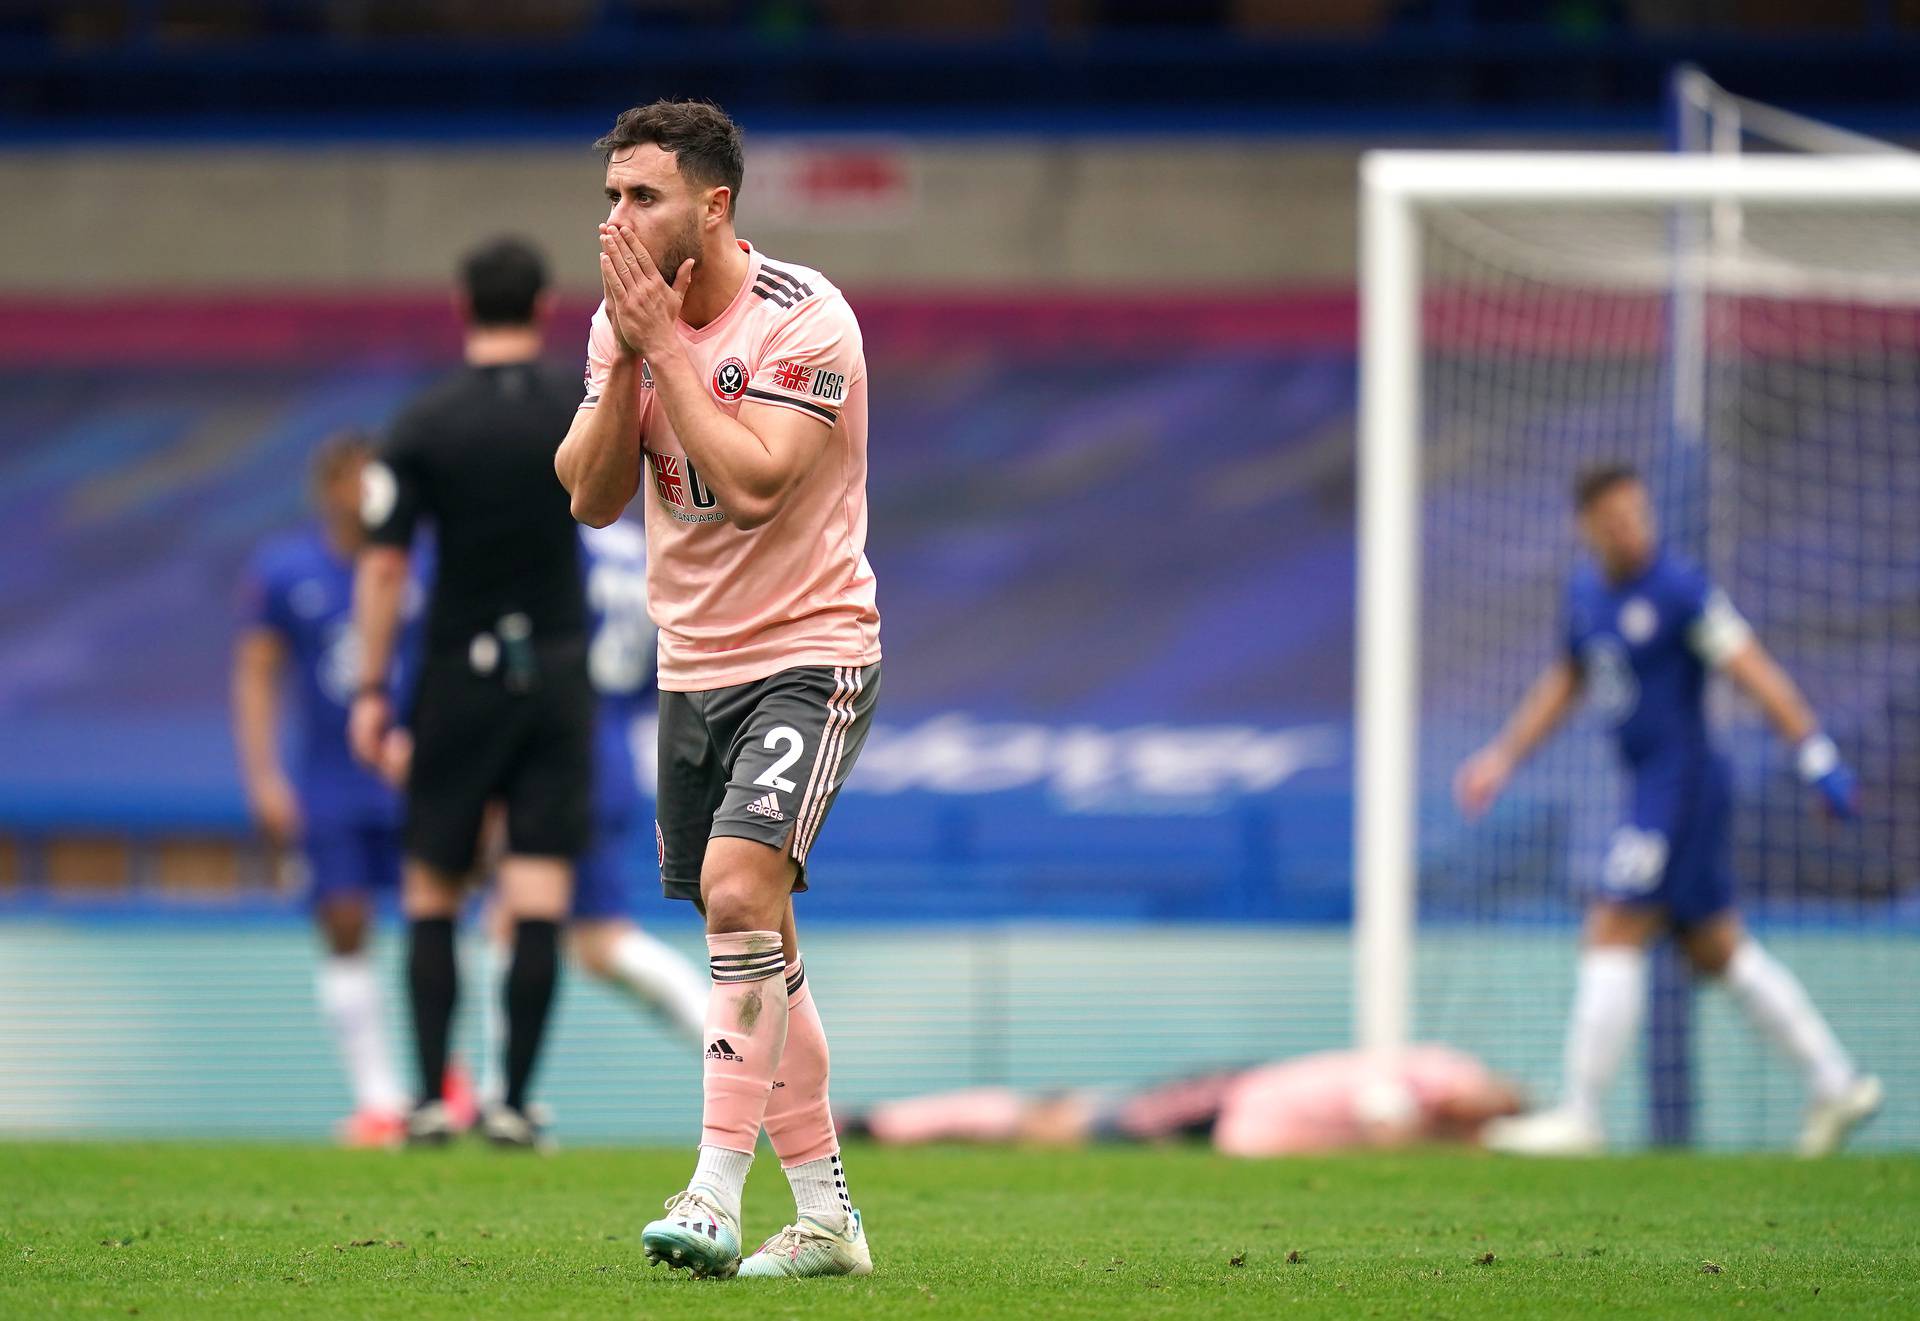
788, 737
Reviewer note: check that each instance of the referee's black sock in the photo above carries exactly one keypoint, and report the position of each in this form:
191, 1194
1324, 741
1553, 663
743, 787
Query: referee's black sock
530, 983
433, 983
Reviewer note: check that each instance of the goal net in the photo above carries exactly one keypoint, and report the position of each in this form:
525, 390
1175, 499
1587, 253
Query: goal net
1746, 332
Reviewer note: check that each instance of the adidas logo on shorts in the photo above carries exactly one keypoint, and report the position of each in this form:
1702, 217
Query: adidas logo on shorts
722, 1049
768, 807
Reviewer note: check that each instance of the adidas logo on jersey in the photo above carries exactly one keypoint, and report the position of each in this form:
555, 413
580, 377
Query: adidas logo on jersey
722, 1049
768, 807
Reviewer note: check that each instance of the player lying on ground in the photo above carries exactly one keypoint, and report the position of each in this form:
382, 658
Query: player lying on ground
737, 385
296, 622
1643, 631
1329, 1101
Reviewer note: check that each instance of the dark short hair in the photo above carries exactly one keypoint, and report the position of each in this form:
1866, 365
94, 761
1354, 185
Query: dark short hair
705, 143
334, 453
1595, 482
503, 279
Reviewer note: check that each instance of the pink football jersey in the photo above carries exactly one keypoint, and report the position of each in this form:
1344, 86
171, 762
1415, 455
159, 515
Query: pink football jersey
736, 606
1313, 1103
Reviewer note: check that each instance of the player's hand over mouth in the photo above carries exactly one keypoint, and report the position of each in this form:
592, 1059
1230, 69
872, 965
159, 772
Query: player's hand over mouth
641, 304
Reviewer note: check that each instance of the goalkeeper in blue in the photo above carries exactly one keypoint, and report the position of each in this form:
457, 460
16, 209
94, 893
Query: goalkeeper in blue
1643, 632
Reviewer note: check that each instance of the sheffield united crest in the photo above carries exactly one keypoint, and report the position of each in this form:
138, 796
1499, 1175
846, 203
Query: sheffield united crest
730, 379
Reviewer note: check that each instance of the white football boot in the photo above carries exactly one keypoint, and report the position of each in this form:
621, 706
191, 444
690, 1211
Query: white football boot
807, 1248
1558, 1132
1829, 1122
503, 1126
695, 1234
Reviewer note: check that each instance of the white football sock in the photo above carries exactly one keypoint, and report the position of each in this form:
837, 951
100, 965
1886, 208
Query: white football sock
723, 1172
662, 979
496, 959
820, 1191
1608, 1002
1776, 1004
350, 1001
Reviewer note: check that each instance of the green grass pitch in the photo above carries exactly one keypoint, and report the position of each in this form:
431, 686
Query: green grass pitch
258, 1231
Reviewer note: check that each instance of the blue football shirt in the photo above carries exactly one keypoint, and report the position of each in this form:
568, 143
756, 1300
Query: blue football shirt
298, 587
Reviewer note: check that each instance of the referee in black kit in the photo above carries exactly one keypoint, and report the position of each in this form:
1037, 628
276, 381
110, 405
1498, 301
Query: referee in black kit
504, 710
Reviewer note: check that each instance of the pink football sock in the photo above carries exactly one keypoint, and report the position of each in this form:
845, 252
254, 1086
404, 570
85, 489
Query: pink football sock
799, 1124
746, 1032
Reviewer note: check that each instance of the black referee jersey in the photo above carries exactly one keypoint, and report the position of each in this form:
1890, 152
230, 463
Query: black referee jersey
474, 455
504, 710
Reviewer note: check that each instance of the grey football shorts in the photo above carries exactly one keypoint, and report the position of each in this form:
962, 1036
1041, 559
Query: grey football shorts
762, 761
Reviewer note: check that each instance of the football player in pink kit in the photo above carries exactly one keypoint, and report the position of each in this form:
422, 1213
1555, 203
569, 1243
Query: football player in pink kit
1332, 1101
733, 389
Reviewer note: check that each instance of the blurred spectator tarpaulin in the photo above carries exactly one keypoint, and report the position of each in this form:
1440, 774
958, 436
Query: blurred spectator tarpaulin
858, 184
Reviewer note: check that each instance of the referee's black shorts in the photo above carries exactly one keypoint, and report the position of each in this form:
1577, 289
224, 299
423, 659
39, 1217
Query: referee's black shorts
474, 741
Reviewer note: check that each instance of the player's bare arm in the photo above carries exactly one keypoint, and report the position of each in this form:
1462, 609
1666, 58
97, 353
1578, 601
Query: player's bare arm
379, 588
753, 462
598, 462
259, 661
1755, 672
1483, 776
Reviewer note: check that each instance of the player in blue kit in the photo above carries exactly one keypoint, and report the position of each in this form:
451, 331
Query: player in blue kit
296, 633
604, 936
621, 662
1643, 632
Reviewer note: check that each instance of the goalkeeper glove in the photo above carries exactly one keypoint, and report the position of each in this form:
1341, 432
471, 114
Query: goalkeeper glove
1820, 766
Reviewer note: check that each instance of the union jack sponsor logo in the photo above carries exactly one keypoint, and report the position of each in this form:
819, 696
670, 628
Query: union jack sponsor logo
667, 479
791, 375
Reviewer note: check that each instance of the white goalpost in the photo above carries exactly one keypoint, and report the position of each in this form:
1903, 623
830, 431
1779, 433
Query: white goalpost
1745, 329
1713, 119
